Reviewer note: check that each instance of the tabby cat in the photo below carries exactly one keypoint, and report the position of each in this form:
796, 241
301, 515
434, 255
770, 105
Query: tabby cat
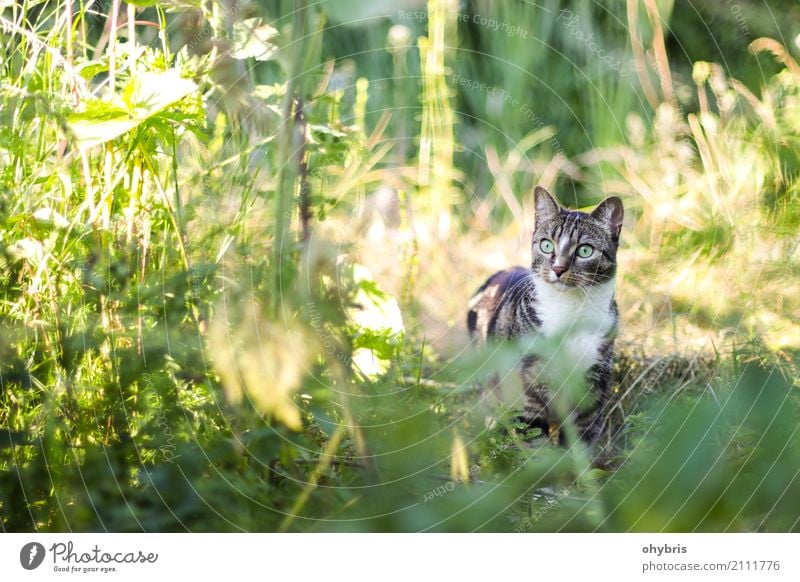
568, 295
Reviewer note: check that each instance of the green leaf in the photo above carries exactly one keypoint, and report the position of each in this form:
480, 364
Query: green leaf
90, 69
143, 98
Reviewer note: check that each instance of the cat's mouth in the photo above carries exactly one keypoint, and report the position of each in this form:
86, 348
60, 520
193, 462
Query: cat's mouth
563, 283
560, 284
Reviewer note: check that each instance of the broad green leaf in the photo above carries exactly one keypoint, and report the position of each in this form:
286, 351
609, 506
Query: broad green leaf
89, 69
142, 98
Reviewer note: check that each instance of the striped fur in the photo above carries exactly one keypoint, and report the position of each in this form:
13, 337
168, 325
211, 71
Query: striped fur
575, 305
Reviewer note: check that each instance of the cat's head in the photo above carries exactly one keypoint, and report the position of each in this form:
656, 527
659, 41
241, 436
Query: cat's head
574, 249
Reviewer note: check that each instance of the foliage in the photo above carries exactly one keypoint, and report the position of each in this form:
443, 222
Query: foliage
206, 218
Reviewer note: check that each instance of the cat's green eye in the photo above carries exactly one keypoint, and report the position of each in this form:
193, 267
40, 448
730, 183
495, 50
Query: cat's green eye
546, 246
585, 251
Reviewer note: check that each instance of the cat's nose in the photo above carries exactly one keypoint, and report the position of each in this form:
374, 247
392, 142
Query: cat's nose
559, 270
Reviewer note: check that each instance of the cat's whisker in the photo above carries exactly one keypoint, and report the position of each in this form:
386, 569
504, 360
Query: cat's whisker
580, 313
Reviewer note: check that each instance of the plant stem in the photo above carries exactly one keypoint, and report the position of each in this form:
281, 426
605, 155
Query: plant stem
325, 461
305, 195
132, 38
289, 144
70, 58
112, 47
437, 144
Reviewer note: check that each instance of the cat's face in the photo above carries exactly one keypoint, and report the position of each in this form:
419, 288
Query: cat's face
574, 249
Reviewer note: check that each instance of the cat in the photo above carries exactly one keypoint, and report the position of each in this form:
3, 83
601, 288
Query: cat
568, 294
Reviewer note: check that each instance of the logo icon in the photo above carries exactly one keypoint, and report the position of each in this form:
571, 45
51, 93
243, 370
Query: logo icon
31, 555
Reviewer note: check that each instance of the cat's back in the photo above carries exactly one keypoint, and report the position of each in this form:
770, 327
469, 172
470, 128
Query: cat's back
500, 308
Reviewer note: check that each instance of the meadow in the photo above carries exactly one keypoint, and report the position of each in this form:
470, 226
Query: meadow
238, 239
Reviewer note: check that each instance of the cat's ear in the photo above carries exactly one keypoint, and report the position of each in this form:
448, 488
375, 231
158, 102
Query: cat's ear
611, 212
546, 205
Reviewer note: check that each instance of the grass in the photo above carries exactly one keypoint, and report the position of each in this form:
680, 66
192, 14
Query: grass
236, 248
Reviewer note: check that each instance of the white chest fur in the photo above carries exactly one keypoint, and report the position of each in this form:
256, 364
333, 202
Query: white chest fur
577, 320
